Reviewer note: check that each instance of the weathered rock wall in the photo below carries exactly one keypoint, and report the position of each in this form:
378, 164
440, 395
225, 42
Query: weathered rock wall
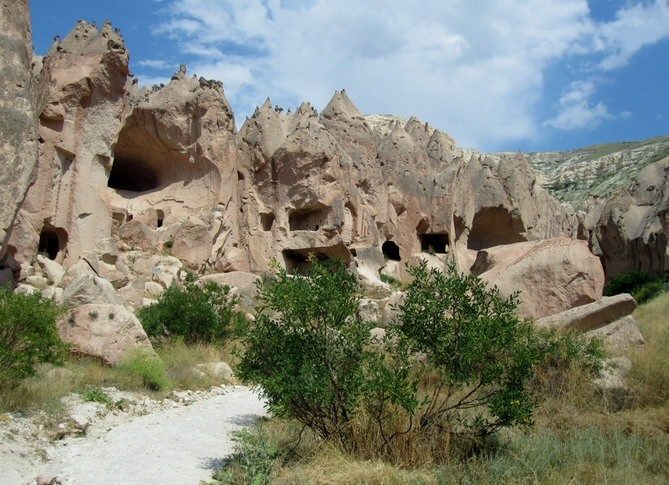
83, 88
18, 124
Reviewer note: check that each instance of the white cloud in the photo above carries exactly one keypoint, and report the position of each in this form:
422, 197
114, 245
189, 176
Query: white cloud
576, 110
155, 64
474, 69
634, 27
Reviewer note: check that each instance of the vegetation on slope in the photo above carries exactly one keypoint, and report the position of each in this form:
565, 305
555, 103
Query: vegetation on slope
600, 170
580, 435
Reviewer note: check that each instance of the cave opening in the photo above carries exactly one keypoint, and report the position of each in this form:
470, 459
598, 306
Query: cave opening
307, 220
267, 221
434, 243
391, 251
495, 226
160, 218
52, 241
299, 261
132, 175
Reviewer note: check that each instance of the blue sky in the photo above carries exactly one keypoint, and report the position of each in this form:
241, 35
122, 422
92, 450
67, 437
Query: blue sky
530, 75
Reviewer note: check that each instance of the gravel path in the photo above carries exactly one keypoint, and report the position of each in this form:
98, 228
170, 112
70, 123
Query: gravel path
181, 445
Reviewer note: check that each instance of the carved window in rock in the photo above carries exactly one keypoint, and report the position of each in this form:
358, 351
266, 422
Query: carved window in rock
434, 243
52, 241
307, 220
391, 251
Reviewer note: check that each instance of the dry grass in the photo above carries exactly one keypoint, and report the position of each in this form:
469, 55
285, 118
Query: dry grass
577, 438
45, 390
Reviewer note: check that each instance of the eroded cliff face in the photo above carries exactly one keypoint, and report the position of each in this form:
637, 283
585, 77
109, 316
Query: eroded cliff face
83, 93
135, 185
163, 170
629, 231
18, 124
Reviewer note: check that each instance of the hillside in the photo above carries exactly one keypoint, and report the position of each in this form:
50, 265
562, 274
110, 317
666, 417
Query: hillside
599, 170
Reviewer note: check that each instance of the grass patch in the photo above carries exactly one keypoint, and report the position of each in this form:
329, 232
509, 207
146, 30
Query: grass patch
173, 368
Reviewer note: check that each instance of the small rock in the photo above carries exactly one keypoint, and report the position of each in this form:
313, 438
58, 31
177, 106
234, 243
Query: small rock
47, 479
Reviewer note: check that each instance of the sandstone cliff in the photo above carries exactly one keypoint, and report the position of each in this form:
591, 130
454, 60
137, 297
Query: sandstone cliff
18, 126
135, 185
622, 193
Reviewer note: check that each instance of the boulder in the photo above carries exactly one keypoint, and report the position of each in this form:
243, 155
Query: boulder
51, 269
552, 276
377, 335
233, 260
217, 370
368, 310
137, 235
619, 336
104, 331
192, 242
153, 290
591, 316
90, 289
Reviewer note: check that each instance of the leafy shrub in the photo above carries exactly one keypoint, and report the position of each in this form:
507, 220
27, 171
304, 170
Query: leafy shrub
309, 350
198, 313
28, 335
458, 366
482, 355
642, 286
95, 394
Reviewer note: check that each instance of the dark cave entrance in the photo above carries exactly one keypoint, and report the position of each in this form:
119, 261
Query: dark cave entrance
132, 175
434, 243
52, 241
391, 251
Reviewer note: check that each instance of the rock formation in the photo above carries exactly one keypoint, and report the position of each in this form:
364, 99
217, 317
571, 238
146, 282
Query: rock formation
622, 193
18, 126
135, 185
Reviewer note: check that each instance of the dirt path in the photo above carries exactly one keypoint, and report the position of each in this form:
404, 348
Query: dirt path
181, 445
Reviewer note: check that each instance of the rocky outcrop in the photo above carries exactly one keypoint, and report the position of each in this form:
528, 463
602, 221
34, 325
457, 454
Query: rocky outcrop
18, 124
551, 275
135, 186
629, 231
83, 93
621, 191
108, 332
609, 319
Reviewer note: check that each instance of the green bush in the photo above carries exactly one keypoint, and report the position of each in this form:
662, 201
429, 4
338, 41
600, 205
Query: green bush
28, 335
481, 354
198, 313
642, 286
458, 366
309, 351
95, 394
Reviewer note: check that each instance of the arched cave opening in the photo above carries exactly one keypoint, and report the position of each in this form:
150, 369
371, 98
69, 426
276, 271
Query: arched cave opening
132, 175
434, 243
160, 218
52, 241
391, 251
495, 226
